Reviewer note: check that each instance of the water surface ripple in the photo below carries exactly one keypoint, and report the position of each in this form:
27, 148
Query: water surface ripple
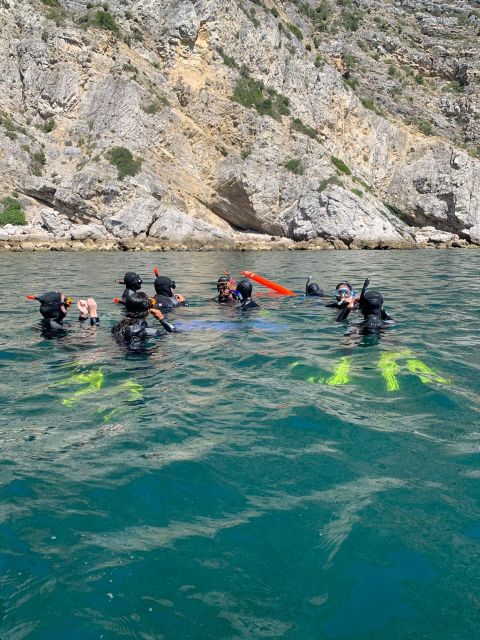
218, 485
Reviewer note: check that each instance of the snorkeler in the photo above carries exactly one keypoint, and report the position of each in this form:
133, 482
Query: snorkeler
134, 327
374, 315
344, 295
244, 290
54, 306
312, 289
370, 304
164, 299
226, 289
132, 282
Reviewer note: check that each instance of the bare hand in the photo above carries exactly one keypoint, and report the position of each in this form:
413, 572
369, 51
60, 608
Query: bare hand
92, 307
82, 307
157, 314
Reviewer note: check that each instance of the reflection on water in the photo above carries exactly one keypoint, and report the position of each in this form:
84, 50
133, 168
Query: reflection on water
276, 475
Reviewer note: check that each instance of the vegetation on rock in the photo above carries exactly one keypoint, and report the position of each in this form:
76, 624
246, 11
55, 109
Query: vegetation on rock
124, 161
12, 212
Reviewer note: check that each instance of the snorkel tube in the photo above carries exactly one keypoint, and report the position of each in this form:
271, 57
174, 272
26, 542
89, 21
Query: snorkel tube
306, 284
362, 294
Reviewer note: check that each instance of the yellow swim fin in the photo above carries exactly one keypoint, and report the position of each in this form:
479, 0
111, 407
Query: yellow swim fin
340, 375
425, 374
389, 368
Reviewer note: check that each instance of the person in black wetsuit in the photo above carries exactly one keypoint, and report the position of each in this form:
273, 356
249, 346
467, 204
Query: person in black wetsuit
134, 327
244, 290
312, 289
226, 290
132, 282
165, 300
374, 315
54, 306
370, 304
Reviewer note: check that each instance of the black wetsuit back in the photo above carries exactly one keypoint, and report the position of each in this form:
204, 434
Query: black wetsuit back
165, 303
247, 304
126, 294
134, 332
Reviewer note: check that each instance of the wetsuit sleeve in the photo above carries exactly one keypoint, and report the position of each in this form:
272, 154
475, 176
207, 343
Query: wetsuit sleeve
343, 315
94, 322
332, 305
169, 328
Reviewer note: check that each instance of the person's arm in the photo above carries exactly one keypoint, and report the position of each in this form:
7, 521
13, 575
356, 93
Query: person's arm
92, 312
83, 308
348, 305
344, 313
156, 313
88, 309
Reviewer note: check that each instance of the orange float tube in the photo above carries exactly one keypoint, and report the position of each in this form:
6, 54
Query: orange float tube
268, 283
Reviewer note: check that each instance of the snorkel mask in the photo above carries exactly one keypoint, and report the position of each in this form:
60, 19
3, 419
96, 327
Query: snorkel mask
344, 290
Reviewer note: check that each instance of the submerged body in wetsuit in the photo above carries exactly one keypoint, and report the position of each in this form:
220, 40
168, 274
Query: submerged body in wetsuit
134, 329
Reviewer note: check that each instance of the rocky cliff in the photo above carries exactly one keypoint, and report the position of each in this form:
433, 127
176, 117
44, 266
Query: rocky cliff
236, 122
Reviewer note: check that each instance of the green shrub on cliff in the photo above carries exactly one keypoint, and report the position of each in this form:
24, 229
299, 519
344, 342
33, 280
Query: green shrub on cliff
12, 212
326, 182
295, 166
123, 159
104, 20
253, 93
340, 165
38, 162
301, 127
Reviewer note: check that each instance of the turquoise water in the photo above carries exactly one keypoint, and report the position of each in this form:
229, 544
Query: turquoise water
217, 486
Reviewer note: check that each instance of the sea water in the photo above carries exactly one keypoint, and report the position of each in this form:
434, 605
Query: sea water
271, 475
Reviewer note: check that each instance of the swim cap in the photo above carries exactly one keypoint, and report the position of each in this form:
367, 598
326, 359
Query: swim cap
132, 280
314, 290
137, 305
371, 303
51, 305
163, 286
244, 288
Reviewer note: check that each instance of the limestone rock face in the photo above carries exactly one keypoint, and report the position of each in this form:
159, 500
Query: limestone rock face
133, 218
234, 121
174, 225
441, 187
336, 213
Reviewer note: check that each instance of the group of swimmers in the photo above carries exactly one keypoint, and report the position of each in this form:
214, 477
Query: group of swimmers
138, 305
